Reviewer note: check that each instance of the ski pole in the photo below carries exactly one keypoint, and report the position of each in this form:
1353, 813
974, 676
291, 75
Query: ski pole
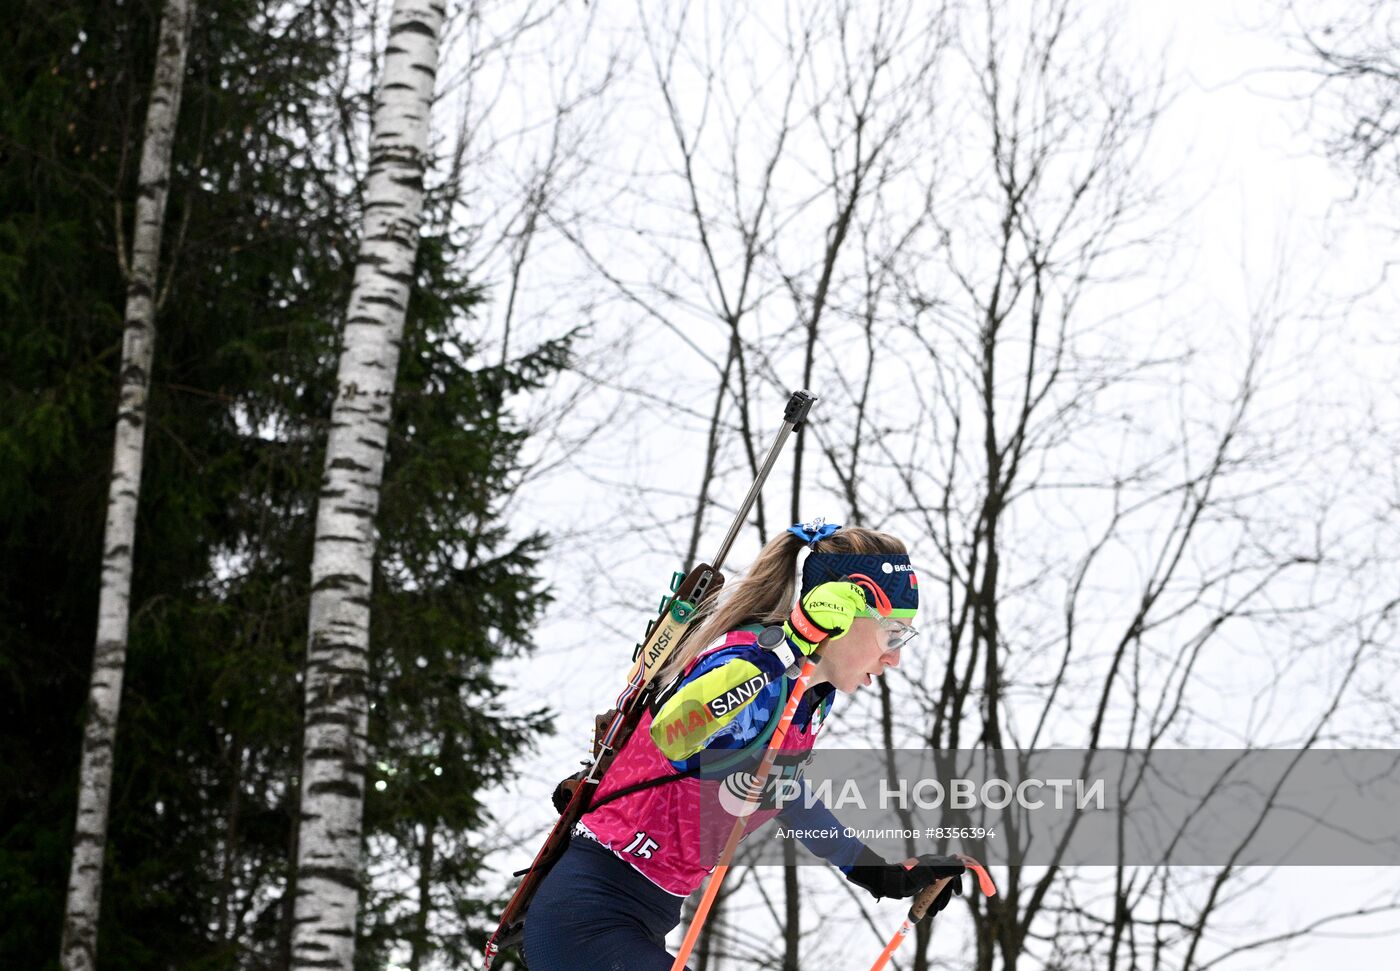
925, 900
737, 833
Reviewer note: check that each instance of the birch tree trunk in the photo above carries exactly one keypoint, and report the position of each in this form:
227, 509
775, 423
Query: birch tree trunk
78, 951
333, 764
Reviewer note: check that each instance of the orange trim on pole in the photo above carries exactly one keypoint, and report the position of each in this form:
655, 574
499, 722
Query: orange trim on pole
925, 900
737, 833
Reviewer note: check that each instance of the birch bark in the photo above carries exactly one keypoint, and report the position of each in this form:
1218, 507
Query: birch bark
78, 950
333, 764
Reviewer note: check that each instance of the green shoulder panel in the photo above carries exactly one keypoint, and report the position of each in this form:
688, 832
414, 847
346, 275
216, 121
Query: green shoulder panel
701, 708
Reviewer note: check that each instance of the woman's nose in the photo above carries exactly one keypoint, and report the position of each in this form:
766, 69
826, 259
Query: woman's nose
891, 658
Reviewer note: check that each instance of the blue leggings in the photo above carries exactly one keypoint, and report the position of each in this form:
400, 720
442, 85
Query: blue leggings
593, 912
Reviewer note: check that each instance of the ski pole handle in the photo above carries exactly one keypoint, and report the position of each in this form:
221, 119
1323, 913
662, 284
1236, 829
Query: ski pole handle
984, 879
925, 900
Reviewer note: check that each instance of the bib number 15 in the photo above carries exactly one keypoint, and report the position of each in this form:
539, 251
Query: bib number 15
641, 846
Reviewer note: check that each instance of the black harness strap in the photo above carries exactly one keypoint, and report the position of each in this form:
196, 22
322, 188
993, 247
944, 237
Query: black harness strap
639, 786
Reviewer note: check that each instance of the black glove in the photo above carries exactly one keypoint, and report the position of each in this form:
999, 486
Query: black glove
881, 879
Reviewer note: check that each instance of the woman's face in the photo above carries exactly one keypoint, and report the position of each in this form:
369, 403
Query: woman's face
851, 662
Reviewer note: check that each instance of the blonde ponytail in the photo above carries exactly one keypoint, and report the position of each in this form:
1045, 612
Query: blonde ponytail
767, 591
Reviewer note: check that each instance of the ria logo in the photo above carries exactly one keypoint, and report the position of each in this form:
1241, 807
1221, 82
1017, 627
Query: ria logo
741, 796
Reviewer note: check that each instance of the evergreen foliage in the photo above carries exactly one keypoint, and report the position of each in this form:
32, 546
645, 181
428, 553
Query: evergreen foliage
261, 229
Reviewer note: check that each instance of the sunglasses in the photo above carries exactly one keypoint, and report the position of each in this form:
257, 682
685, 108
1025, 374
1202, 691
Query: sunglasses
897, 635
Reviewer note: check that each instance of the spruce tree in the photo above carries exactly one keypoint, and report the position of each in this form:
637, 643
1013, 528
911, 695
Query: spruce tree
263, 205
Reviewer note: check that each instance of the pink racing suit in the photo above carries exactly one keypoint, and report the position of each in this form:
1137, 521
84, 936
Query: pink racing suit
672, 833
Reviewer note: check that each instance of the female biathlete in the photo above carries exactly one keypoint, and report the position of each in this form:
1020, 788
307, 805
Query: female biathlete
644, 846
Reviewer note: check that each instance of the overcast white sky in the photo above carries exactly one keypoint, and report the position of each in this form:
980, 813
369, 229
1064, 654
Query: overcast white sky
1252, 217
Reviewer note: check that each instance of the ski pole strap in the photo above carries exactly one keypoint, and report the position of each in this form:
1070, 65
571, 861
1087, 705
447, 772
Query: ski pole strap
984, 879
